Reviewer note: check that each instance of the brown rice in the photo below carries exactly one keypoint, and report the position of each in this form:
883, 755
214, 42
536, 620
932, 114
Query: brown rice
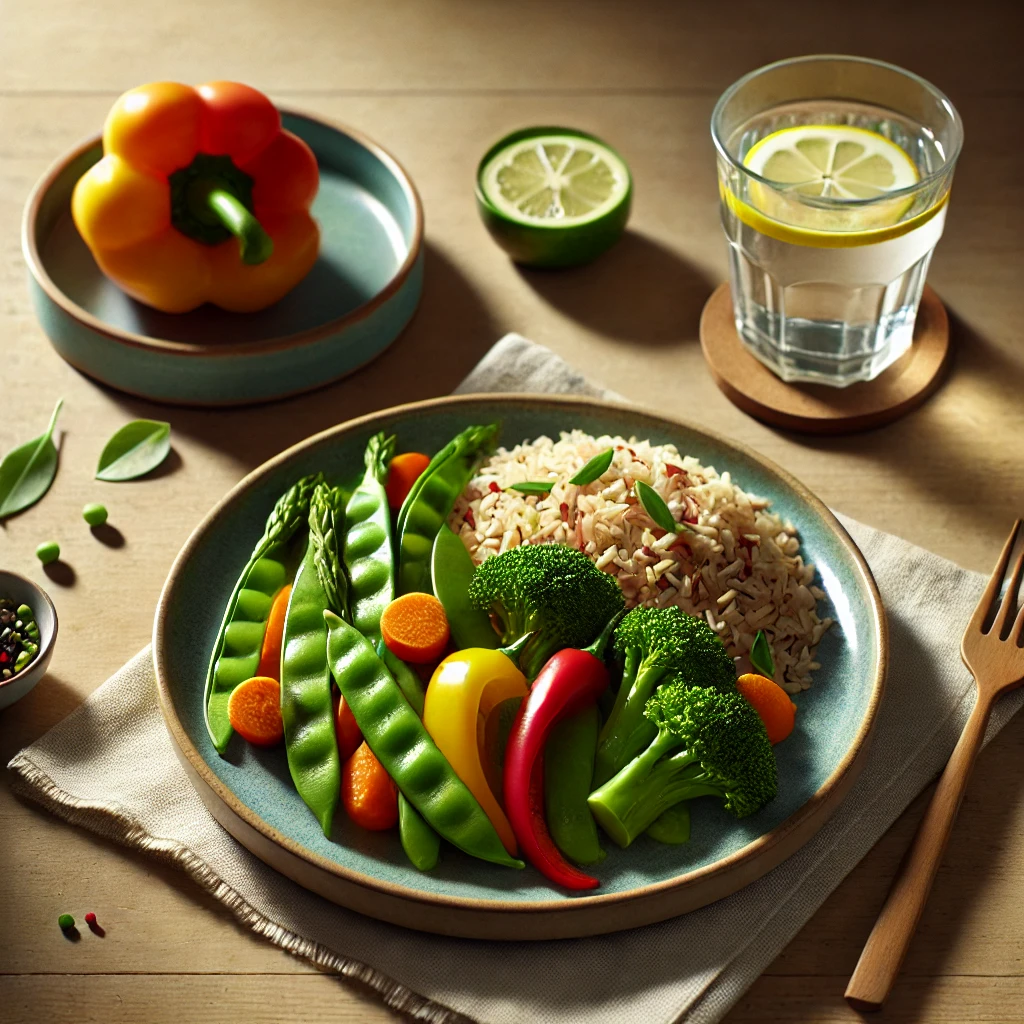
738, 565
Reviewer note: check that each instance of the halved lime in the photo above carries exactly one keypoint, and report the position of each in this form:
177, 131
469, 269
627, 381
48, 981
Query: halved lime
553, 197
854, 168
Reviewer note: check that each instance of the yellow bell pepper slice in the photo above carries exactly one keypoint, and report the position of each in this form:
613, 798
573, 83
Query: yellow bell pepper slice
464, 689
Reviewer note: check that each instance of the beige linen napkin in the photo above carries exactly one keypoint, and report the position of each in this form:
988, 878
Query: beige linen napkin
690, 969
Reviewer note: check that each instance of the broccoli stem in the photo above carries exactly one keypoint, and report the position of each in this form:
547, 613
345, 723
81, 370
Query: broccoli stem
505, 623
537, 653
627, 731
651, 783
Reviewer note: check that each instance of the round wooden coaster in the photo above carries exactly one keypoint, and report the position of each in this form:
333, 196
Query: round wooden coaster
817, 408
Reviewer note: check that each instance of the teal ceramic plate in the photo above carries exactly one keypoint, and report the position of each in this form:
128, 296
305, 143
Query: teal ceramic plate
357, 299
250, 791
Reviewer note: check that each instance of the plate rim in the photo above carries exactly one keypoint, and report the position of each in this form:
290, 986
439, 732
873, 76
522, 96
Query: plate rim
37, 267
820, 805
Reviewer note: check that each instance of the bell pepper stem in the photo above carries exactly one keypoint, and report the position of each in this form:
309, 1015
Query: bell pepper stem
254, 244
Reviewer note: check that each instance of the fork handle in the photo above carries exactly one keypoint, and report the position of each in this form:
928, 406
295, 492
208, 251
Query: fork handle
889, 940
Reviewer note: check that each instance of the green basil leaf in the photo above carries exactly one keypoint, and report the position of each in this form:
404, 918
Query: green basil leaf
595, 468
761, 655
27, 472
654, 505
540, 487
135, 450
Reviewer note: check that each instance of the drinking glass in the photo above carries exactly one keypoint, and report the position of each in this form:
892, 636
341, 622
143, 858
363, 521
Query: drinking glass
826, 282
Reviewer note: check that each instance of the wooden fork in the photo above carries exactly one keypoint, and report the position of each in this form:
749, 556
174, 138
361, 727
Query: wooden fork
997, 663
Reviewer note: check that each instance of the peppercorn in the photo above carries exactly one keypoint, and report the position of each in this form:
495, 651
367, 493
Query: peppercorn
19, 638
66, 921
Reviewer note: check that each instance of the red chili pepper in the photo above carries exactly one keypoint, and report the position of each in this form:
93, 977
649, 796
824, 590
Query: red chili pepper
469, 518
564, 509
493, 487
570, 681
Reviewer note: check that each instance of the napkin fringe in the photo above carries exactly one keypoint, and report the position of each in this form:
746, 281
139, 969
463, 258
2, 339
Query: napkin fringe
114, 823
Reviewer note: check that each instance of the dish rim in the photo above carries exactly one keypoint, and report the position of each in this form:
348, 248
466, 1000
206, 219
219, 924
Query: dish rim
757, 848
37, 267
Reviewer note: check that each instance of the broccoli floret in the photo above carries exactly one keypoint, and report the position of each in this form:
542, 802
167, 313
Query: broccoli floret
550, 590
656, 645
707, 743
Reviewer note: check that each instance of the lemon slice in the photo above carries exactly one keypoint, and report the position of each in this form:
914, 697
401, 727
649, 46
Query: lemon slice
839, 164
553, 197
832, 161
567, 178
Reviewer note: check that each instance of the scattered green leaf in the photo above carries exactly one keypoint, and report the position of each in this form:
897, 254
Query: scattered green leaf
27, 472
539, 487
594, 469
135, 450
654, 505
761, 655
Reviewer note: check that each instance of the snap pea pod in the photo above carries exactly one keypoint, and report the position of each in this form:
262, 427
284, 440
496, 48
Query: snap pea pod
398, 739
236, 652
421, 843
568, 771
451, 569
306, 705
369, 559
408, 681
430, 502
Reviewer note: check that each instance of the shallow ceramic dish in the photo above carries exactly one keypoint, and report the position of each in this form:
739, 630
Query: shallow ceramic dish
251, 794
357, 299
24, 591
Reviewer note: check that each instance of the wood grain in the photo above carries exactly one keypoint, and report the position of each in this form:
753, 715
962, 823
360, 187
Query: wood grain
437, 83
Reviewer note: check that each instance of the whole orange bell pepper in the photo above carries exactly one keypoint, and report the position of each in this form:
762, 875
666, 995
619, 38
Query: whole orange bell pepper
201, 196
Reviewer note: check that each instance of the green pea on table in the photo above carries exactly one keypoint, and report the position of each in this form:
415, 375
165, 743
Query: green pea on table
48, 551
95, 514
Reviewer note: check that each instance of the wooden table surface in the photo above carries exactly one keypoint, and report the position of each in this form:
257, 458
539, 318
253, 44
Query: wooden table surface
437, 83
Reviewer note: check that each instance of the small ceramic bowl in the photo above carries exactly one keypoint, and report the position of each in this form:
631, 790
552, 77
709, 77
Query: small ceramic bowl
24, 591
357, 299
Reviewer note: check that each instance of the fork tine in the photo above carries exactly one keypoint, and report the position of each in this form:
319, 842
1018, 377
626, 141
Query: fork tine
1017, 629
988, 599
1006, 608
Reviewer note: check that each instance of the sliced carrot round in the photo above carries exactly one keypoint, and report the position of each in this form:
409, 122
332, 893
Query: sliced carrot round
771, 702
369, 794
415, 628
254, 711
403, 471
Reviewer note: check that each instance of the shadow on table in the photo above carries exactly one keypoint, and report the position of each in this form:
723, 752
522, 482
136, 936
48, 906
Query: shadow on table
639, 292
450, 332
960, 461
